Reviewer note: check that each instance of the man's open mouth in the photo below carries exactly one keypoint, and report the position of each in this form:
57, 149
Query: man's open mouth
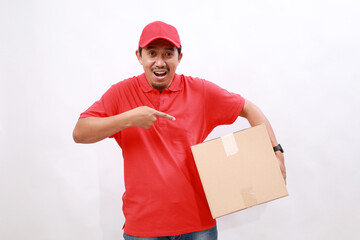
160, 74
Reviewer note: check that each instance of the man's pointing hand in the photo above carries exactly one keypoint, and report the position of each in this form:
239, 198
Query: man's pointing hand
144, 117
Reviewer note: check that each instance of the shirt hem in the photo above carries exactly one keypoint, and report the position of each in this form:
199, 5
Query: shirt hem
167, 234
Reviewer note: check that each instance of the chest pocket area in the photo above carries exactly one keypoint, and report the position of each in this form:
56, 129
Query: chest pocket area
179, 138
178, 134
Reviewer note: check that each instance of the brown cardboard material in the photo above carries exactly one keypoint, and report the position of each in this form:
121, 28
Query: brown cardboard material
239, 170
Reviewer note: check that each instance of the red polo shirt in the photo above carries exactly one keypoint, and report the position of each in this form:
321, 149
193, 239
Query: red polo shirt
163, 193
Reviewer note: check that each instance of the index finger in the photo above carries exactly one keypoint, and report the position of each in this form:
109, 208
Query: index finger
164, 115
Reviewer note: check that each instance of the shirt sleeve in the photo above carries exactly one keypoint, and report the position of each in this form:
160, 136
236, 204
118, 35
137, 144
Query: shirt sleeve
108, 105
221, 107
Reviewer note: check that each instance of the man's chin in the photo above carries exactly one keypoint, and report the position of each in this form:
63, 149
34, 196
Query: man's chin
158, 83
159, 86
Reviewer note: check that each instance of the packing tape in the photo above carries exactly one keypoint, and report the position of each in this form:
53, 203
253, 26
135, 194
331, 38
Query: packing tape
249, 197
229, 144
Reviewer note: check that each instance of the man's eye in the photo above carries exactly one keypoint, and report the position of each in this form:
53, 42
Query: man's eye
152, 53
169, 54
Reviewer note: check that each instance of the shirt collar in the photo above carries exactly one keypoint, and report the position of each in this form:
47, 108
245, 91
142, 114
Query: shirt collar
176, 84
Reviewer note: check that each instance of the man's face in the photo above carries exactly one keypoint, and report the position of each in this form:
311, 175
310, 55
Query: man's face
159, 59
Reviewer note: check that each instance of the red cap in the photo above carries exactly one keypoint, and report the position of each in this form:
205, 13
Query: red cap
159, 30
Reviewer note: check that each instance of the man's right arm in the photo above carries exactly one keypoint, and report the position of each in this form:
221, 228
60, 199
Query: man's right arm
94, 129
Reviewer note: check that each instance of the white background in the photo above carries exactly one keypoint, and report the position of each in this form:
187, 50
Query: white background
297, 60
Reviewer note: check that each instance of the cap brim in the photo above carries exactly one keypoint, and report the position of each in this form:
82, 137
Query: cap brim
155, 38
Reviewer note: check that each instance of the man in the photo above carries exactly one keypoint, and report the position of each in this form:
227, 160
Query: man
155, 118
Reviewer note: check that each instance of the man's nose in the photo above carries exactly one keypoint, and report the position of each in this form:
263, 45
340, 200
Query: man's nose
160, 62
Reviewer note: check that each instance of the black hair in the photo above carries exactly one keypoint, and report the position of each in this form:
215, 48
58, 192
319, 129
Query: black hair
179, 50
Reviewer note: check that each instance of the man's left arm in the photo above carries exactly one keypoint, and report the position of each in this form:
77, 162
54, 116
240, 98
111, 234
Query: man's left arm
255, 117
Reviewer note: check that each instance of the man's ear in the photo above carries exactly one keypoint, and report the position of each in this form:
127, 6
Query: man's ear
138, 56
180, 57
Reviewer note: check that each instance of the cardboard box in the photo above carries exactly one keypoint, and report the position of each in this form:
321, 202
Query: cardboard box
239, 170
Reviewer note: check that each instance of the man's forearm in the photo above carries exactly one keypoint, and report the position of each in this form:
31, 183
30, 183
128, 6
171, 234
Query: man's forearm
255, 117
94, 129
